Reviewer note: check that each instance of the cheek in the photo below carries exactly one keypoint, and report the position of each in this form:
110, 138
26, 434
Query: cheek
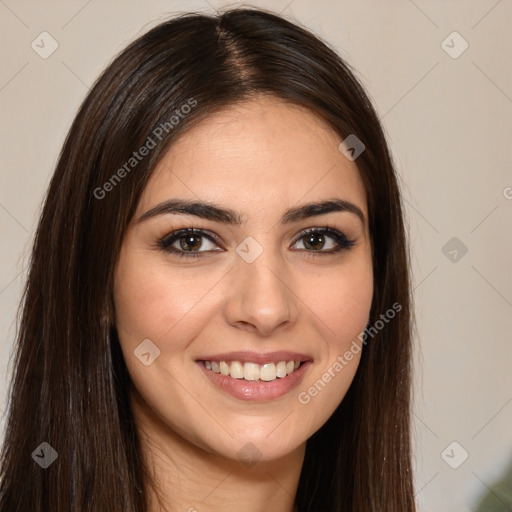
341, 300
155, 304
167, 306
150, 300
341, 303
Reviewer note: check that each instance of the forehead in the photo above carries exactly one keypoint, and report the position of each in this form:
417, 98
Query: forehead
263, 153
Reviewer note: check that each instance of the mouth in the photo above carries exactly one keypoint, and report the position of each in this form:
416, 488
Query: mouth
253, 372
255, 377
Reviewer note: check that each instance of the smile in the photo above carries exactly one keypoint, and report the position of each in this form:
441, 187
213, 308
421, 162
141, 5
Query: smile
255, 377
253, 372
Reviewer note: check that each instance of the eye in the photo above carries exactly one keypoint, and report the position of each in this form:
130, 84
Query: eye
315, 240
187, 242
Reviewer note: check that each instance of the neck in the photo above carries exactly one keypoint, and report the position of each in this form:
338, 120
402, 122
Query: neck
187, 477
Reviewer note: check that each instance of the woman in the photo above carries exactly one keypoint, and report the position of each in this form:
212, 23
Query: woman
217, 314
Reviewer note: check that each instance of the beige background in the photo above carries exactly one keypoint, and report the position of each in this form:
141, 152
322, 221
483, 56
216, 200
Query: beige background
449, 123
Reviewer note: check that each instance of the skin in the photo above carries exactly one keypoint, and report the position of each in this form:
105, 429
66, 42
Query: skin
258, 158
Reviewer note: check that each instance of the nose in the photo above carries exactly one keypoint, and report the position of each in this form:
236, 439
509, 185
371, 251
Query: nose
260, 296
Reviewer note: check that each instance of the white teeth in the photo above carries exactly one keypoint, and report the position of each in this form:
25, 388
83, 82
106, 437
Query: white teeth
253, 371
281, 369
237, 370
268, 372
224, 368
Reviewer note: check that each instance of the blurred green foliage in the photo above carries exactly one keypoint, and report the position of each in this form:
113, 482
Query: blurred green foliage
499, 497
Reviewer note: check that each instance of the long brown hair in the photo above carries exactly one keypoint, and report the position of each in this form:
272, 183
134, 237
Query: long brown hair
70, 383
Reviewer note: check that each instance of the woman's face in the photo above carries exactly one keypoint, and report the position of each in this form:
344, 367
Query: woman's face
255, 287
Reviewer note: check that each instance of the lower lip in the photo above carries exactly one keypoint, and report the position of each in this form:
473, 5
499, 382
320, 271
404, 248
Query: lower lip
258, 391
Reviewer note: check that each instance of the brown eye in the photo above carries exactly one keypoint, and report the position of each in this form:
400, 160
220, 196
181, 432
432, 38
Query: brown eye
316, 239
192, 242
187, 242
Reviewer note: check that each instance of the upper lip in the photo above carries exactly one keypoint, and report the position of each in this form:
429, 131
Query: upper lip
256, 357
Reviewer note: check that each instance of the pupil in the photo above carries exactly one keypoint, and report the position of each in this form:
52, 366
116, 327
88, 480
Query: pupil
310, 241
188, 242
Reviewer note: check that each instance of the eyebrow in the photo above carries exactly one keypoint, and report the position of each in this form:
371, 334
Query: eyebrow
216, 213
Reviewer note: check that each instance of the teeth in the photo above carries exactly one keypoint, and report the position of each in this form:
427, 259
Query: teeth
236, 370
281, 369
268, 372
253, 371
224, 368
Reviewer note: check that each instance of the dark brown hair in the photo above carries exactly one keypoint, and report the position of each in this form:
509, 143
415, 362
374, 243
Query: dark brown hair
70, 382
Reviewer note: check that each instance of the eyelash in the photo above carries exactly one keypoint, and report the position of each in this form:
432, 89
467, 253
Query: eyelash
165, 243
